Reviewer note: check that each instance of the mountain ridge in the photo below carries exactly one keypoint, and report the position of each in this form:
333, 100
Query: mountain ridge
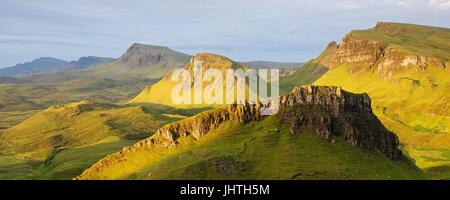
48, 65
186, 133
39, 65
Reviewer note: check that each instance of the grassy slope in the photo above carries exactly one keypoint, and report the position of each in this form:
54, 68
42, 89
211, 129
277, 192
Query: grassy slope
414, 39
111, 82
63, 140
307, 74
70, 162
414, 106
160, 92
260, 150
271, 65
9, 119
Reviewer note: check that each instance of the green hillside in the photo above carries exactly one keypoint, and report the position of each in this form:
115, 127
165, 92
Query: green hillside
259, 150
411, 38
159, 93
272, 65
111, 82
414, 106
411, 95
60, 142
307, 74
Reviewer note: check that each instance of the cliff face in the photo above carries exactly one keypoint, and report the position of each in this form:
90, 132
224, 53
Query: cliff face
213, 61
328, 111
138, 55
332, 112
357, 50
141, 55
378, 49
200, 125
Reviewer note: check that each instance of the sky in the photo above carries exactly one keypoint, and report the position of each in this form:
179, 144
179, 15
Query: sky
244, 30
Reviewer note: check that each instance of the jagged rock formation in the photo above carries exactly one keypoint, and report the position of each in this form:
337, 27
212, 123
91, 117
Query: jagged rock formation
200, 125
329, 111
381, 53
332, 112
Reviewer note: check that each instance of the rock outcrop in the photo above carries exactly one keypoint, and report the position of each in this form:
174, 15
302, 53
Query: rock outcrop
328, 111
363, 51
138, 55
334, 113
200, 125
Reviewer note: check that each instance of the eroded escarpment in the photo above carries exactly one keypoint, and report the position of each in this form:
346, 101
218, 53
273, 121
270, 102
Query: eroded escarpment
329, 111
363, 51
332, 112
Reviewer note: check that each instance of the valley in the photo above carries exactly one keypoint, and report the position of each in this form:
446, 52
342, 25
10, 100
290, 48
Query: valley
373, 106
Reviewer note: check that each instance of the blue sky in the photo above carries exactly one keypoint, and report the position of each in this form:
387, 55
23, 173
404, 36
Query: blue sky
282, 30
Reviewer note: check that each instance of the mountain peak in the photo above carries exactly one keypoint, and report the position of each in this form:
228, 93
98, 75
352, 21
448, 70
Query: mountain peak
147, 47
143, 55
212, 58
39, 65
215, 61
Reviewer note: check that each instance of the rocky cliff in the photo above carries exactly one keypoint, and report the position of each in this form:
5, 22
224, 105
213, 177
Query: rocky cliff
387, 49
138, 55
328, 111
334, 113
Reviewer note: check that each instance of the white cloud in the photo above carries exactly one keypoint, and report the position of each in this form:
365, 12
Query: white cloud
440, 4
348, 5
360, 4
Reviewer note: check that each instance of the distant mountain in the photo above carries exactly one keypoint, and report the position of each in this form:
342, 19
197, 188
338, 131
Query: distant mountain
86, 131
48, 64
141, 61
115, 81
87, 61
271, 64
8, 80
141, 55
40, 65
